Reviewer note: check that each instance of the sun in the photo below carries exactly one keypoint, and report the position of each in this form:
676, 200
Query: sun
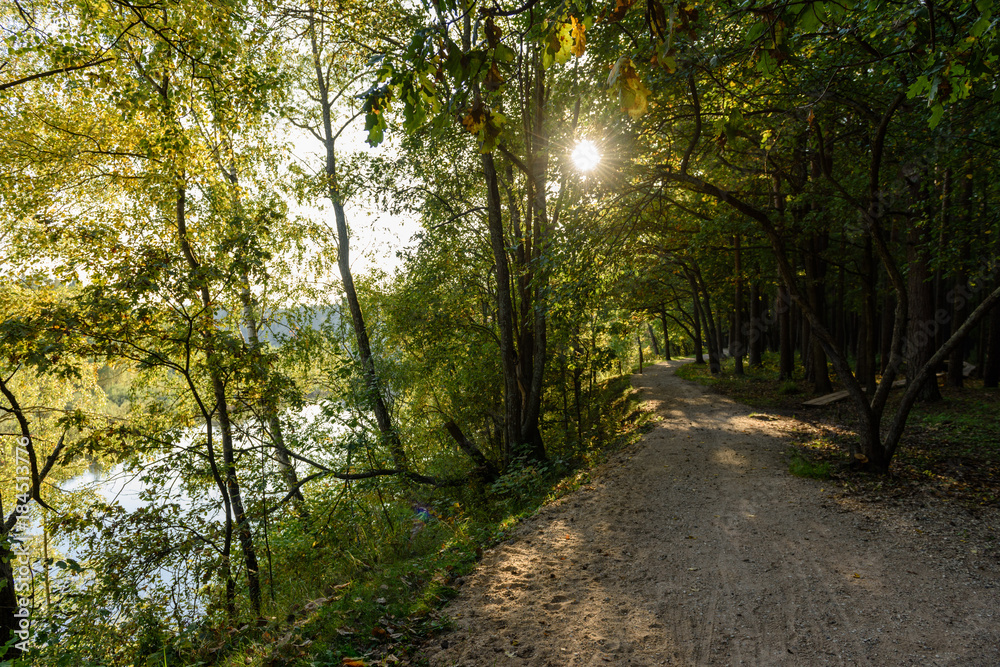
586, 157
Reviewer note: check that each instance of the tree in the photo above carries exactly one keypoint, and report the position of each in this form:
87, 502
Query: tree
472, 80
52, 406
753, 123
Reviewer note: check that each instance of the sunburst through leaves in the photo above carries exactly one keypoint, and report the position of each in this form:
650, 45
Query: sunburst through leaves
586, 157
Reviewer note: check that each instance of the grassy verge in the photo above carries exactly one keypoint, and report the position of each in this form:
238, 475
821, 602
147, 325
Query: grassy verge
376, 605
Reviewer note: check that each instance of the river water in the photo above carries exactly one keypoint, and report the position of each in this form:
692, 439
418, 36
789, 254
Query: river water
197, 506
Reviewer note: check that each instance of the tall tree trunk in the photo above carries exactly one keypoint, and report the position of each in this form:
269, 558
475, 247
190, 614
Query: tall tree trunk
959, 297
564, 391
269, 406
538, 160
505, 313
666, 332
885, 332
922, 327
579, 363
375, 390
944, 329
711, 328
652, 338
786, 351
815, 276
11, 547
840, 333
956, 361
756, 343
699, 355
737, 350
720, 338
243, 531
867, 336
227, 479
991, 337
805, 346
9, 621
991, 370
374, 385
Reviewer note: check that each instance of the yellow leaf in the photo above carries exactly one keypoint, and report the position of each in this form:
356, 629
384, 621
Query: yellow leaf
474, 120
621, 8
632, 92
578, 31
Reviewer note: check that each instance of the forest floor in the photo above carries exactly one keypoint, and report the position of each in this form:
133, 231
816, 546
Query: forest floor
696, 546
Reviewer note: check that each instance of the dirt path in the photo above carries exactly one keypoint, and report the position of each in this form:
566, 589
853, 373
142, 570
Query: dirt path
697, 547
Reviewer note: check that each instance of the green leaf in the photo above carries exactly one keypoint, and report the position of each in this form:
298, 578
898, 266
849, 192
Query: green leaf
937, 112
980, 26
767, 63
375, 125
453, 64
934, 88
836, 12
812, 17
921, 85
504, 53
755, 31
490, 134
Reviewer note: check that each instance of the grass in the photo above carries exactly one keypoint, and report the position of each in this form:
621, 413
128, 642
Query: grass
966, 421
384, 600
802, 466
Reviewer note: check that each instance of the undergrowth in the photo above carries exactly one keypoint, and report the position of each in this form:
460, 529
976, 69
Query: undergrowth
358, 573
367, 584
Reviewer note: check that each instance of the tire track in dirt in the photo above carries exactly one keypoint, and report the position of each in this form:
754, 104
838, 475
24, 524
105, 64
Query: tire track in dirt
696, 547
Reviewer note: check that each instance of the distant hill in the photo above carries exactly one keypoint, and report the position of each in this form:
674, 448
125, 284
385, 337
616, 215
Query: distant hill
314, 317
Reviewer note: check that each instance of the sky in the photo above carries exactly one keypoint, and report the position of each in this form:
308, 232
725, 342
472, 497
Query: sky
376, 235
